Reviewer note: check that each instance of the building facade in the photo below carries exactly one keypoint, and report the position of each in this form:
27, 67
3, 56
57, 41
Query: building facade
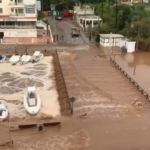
18, 18
85, 17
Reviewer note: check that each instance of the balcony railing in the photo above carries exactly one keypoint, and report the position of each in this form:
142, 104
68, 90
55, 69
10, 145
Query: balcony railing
17, 14
16, 27
16, 3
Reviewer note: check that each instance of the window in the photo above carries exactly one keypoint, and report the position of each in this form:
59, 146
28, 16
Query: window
1, 10
12, 10
30, 10
20, 11
20, 1
0, 1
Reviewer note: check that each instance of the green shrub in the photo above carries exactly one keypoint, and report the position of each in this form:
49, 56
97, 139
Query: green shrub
97, 39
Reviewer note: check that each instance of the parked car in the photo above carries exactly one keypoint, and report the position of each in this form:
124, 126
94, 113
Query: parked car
58, 17
75, 32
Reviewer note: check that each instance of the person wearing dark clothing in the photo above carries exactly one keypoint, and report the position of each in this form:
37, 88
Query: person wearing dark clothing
90, 38
54, 37
57, 37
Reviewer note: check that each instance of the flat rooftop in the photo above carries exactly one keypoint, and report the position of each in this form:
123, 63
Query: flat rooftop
112, 35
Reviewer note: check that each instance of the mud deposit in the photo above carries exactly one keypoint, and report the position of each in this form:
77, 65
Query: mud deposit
16, 79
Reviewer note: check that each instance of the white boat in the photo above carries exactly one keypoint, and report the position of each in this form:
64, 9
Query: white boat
3, 112
32, 101
25, 59
14, 59
37, 56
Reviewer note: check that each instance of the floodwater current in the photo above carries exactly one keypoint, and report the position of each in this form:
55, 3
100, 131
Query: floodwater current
136, 66
103, 117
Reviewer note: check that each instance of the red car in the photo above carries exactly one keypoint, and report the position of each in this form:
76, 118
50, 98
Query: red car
66, 14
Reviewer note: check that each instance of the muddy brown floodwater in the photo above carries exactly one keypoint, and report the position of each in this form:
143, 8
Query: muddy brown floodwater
138, 67
103, 118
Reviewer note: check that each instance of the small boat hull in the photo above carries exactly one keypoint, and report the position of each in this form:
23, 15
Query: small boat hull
32, 110
2, 58
25, 59
14, 59
3, 112
37, 56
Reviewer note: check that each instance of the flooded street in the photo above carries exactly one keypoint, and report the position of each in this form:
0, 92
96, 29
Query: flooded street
103, 116
138, 67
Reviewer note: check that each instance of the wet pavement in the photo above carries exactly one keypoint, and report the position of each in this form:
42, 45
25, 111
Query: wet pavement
106, 96
64, 27
137, 67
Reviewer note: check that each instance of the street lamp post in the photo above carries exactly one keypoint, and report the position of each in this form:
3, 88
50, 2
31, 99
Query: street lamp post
102, 9
137, 46
85, 16
137, 42
116, 15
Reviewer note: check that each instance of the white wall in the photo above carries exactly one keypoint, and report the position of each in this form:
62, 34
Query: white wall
29, 2
130, 46
14, 32
7, 8
41, 24
38, 3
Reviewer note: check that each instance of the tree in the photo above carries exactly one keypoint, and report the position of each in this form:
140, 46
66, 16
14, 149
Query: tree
40, 15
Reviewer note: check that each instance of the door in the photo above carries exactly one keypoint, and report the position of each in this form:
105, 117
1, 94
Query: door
22, 34
1, 35
16, 12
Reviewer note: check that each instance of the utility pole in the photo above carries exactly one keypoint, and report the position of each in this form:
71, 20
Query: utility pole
137, 46
116, 15
85, 16
102, 9
54, 14
108, 12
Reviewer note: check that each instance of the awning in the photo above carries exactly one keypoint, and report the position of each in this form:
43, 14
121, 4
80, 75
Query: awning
30, 6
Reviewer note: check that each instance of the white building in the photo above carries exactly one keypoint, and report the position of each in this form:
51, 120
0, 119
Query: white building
38, 3
108, 40
146, 1
18, 18
85, 17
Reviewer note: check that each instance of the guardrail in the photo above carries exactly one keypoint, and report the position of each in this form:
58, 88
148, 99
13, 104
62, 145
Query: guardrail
16, 14
131, 79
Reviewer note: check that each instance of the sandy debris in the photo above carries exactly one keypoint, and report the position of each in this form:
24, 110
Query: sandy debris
41, 75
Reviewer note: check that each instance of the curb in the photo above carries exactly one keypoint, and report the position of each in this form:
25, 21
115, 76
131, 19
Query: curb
84, 40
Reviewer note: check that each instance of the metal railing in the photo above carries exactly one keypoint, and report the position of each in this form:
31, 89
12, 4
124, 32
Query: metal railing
17, 14
16, 3
16, 27
131, 79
